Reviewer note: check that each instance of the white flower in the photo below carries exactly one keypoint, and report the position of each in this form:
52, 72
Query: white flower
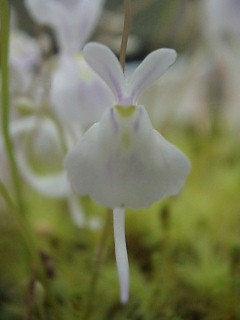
122, 161
40, 137
73, 80
73, 21
24, 57
77, 93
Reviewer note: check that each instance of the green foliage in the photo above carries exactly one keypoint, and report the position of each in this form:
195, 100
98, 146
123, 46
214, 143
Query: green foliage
184, 252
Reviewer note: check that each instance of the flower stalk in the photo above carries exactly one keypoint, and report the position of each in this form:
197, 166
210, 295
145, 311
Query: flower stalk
121, 252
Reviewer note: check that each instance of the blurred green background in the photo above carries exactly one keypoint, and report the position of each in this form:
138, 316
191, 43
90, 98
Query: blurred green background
184, 252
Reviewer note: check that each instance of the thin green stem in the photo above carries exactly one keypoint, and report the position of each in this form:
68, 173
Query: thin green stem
126, 26
5, 195
4, 32
17, 207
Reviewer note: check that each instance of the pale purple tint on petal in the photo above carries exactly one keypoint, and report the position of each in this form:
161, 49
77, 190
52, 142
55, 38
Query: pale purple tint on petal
126, 167
24, 51
52, 13
73, 21
77, 93
150, 70
88, 14
105, 63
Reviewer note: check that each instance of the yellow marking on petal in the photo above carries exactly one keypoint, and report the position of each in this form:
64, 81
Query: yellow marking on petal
78, 56
126, 139
85, 70
125, 111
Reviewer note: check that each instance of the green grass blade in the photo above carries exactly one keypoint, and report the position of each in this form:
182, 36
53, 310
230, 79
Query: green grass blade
5, 114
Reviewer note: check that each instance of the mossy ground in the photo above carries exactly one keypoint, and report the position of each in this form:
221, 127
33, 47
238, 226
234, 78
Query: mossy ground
184, 252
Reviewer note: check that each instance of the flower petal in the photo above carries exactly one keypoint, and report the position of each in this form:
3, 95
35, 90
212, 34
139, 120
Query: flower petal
72, 21
88, 13
55, 15
122, 162
17, 127
54, 185
41, 10
24, 56
78, 93
103, 61
152, 67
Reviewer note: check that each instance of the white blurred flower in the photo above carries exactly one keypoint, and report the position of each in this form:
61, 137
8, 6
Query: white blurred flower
37, 146
24, 58
222, 18
73, 21
122, 161
189, 103
221, 27
77, 94
203, 85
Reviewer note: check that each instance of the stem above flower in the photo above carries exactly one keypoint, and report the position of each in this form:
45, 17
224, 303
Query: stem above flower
127, 19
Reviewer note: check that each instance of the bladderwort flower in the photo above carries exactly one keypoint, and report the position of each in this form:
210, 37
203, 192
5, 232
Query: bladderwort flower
121, 161
73, 22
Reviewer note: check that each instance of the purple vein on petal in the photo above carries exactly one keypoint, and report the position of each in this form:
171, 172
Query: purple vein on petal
113, 120
138, 89
116, 86
137, 121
